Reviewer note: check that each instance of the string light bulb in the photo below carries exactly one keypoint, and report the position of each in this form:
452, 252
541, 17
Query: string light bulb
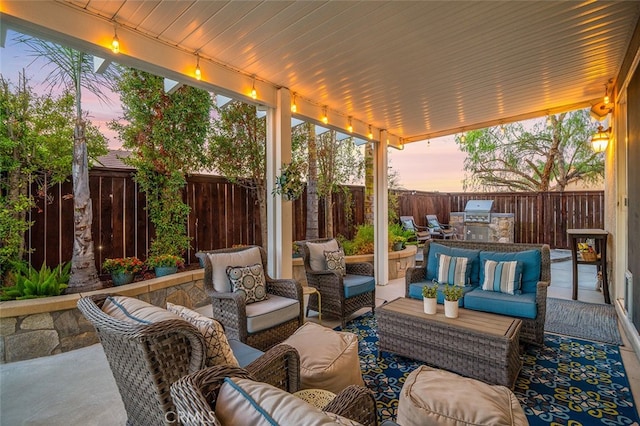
294, 107
370, 132
350, 126
606, 95
463, 137
325, 119
115, 42
198, 72
548, 120
254, 94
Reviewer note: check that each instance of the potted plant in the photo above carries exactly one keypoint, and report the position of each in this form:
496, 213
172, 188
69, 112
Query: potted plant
429, 294
165, 264
398, 242
452, 293
290, 184
123, 269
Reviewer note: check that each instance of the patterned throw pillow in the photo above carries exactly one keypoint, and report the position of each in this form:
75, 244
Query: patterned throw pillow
335, 261
218, 350
503, 277
453, 270
249, 280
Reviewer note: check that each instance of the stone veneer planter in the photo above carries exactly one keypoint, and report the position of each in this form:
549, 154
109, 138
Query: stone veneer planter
399, 261
40, 327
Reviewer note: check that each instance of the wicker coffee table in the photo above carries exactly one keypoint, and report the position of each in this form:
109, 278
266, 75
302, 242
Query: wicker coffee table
476, 344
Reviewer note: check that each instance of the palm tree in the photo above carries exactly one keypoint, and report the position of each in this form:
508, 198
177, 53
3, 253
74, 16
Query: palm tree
74, 71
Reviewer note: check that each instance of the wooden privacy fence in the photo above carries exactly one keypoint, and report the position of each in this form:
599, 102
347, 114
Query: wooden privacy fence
224, 214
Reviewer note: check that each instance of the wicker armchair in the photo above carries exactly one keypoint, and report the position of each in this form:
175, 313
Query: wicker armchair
333, 287
230, 309
195, 396
145, 359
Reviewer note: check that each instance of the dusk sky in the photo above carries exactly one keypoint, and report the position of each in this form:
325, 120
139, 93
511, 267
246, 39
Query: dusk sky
422, 166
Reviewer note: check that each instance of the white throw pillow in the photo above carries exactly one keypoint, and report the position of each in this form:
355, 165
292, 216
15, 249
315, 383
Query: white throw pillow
135, 310
220, 262
218, 350
317, 260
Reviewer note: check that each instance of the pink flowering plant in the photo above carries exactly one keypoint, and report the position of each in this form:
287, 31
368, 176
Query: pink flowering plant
165, 260
123, 265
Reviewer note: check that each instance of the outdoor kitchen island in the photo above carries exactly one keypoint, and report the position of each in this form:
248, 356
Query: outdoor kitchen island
477, 344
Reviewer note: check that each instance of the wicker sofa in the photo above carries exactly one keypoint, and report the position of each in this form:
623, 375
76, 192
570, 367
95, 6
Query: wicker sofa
528, 304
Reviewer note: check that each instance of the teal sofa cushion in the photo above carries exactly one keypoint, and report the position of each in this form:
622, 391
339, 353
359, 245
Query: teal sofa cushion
415, 292
358, 284
245, 354
514, 305
436, 249
531, 263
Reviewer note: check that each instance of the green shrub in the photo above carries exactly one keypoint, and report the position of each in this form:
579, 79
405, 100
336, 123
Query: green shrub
362, 243
31, 283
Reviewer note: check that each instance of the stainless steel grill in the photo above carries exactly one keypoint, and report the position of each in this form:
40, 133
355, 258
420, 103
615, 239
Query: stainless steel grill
478, 211
477, 217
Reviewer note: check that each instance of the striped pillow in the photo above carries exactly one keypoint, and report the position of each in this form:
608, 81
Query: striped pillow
503, 277
453, 270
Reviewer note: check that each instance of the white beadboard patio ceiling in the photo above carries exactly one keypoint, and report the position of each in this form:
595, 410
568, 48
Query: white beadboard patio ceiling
419, 69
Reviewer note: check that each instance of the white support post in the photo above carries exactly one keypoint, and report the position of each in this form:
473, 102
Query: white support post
381, 210
279, 211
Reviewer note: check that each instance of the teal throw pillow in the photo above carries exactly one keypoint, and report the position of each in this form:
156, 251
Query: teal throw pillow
453, 270
502, 277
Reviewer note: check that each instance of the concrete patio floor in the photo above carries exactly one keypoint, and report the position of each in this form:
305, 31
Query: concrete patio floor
77, 388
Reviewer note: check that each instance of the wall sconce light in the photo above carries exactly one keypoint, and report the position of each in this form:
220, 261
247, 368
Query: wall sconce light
325, 119
600, 140
350, 126
254, 94
294, 107
370, 132
115, 42
198, 72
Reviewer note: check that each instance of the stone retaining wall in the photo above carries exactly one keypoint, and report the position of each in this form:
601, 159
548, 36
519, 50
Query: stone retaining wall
41, 327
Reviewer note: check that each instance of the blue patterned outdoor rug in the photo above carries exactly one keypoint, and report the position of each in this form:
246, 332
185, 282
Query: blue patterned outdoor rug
568, 382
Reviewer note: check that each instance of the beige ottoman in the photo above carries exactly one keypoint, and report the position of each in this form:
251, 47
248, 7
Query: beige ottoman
328, 358
437, 397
